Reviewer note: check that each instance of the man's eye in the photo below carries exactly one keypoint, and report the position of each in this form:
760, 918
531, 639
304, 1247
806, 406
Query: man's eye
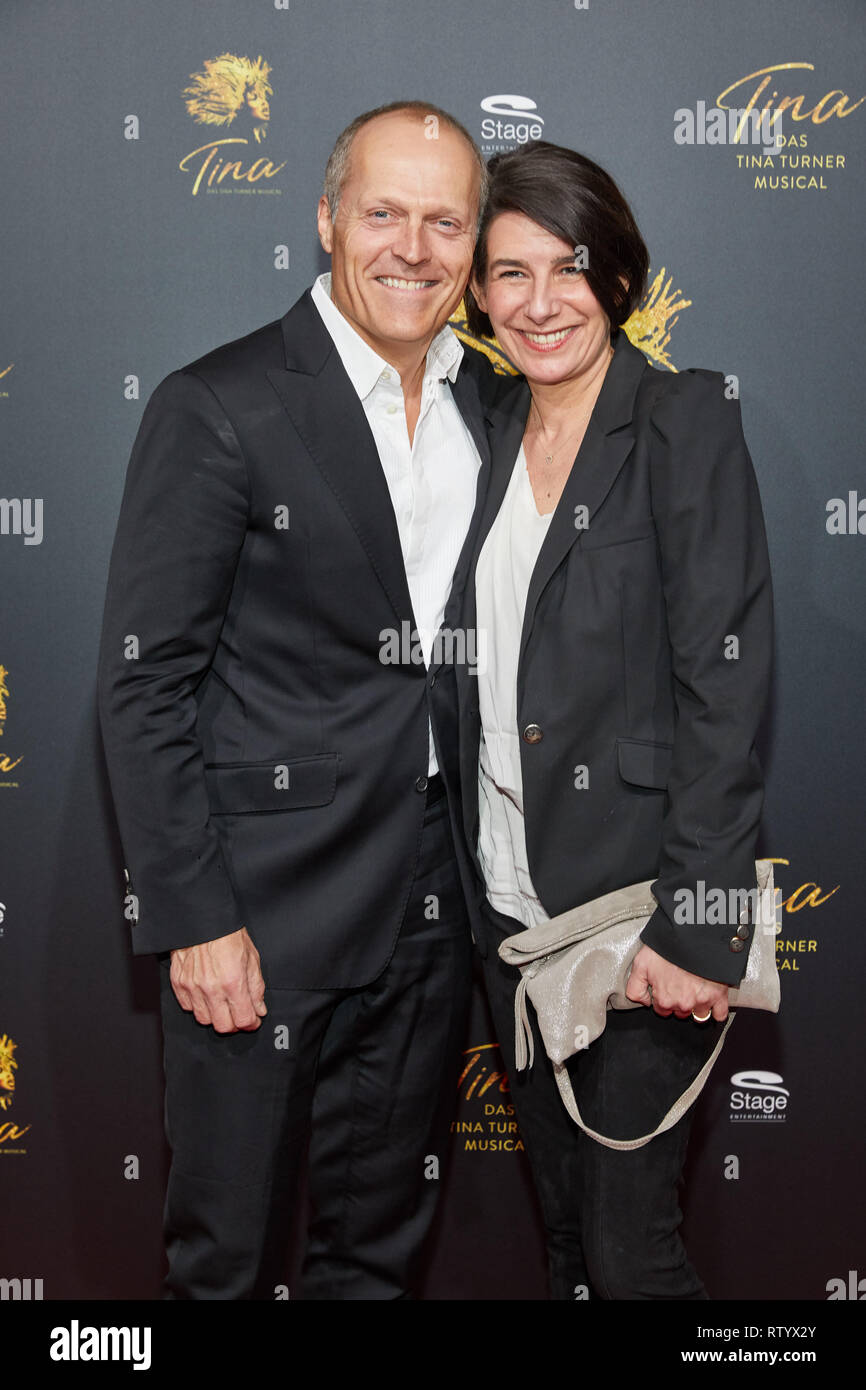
507, 274
380, 212
572, 270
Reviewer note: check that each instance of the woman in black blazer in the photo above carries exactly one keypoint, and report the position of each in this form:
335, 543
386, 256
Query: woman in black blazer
621, 596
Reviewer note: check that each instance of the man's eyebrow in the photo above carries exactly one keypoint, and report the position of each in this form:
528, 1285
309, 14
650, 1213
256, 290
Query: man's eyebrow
393, 201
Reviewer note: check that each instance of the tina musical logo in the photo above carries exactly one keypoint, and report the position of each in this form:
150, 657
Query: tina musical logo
799, 159
231, 94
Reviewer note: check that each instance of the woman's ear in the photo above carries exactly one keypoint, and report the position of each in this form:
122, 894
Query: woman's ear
478, 293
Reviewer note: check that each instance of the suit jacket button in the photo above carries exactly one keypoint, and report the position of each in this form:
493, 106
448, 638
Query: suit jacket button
737, 943
420, 784
533, 734
743, 931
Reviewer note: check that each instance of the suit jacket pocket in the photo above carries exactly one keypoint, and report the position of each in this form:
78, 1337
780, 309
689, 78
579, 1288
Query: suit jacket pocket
600, 537
643, 762
280, 784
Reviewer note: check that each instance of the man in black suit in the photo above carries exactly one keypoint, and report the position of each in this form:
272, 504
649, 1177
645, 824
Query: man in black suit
279, 742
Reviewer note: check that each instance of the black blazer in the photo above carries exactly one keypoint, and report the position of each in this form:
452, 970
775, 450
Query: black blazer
626, 664
268, 770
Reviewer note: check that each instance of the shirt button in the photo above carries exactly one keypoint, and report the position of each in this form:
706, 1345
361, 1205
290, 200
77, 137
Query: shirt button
737, 944
386, 376
533, 734
391, 410
420, 784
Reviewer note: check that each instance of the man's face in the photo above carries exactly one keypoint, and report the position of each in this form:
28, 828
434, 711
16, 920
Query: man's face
402, 241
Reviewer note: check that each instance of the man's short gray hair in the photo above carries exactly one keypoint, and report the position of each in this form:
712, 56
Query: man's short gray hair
338, 162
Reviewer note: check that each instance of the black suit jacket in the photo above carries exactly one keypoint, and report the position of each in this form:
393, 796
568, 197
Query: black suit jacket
626, 664
267, 768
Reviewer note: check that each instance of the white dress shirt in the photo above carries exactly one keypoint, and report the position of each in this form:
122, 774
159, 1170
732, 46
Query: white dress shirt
432, 481
502, 578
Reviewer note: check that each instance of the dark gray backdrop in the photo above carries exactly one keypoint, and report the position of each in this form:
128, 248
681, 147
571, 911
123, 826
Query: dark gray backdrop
112, 268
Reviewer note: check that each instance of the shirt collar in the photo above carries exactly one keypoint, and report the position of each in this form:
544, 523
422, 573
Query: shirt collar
364, 366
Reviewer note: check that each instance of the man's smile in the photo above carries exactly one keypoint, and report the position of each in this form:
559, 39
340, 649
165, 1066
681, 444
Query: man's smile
392, 283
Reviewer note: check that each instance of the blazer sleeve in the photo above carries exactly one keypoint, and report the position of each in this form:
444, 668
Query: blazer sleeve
716, 579
182, 523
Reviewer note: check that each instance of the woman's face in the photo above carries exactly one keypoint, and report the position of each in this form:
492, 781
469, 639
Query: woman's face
543, 312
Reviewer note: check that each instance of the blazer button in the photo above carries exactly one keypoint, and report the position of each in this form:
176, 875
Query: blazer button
737, 944
533, 734
420, 784
743, 931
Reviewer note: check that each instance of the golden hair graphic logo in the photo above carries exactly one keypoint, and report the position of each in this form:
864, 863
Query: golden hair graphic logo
231, 92
8, 1065
648, 328
6, 763
9, 1133
227, 87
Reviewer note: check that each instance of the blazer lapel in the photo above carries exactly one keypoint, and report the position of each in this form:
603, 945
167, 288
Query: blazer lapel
506, 423
324, 408
478, 420
606, 445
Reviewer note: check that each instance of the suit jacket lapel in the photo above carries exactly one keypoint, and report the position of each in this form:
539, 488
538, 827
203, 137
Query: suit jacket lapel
506, 423
478, 421
606, 445
324, 408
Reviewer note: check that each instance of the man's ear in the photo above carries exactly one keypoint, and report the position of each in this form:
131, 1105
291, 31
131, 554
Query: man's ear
478, 293
325, 225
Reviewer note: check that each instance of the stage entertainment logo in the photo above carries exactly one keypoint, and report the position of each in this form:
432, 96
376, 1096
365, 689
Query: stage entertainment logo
10, 1133
648, 328
509, 121
758, 1095
792, 106
231, 93
485, 1120
7, 763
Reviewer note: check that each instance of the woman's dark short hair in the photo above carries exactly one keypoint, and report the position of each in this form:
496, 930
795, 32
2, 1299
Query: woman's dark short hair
574, 199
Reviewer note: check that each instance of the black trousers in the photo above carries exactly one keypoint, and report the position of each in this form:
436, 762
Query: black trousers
363, 1077
611, 1217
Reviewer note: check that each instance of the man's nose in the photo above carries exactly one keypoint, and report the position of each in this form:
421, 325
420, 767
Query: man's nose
412, 242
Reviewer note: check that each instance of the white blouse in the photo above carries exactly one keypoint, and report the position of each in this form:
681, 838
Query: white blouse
502, 578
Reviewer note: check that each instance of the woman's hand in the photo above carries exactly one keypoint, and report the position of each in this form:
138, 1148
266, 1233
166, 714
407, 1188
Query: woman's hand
670, 990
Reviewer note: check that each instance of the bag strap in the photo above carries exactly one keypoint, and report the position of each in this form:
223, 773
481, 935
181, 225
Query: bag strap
524, 1043
677, 1110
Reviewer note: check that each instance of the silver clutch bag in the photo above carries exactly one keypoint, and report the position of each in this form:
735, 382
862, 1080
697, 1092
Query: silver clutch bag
576, 966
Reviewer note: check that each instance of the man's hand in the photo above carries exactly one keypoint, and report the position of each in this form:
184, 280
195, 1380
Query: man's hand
670, 990
221, 982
